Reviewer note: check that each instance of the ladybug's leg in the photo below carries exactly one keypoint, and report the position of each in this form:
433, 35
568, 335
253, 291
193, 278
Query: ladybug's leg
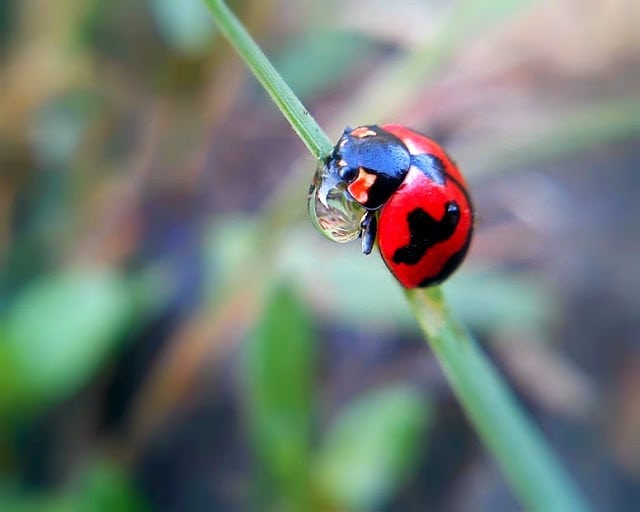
368, 231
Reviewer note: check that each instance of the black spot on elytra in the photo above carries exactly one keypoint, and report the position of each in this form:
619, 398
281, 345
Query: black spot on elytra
425, 232
449, 267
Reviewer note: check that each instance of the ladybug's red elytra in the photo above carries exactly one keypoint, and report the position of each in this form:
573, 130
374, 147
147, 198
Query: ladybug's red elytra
414, 197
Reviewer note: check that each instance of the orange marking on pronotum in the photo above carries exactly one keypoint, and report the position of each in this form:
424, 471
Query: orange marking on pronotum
362, 132
359, 189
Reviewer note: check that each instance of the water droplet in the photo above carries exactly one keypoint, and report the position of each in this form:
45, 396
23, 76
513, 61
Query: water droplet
333, 212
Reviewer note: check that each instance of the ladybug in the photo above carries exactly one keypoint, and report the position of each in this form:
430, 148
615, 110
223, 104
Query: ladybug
415, 200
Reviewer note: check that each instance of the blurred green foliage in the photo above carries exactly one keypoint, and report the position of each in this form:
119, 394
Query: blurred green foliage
365, 452
333, 277
101, 487
279, 373
370, 448
57, 333
186, 26
333, 53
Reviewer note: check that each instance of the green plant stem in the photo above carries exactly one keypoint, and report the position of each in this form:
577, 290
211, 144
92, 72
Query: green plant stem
301, 121
528, 464
530, 467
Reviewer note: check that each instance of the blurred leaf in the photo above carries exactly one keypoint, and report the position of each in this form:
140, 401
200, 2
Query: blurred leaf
57, 128
185, 25
57, 333
105, 488
354, 289
279, 385
562, 132
359, 291
230, 250
319, 60
488, 13
16, 502
371, 446
101, 488
7, 9
495, 300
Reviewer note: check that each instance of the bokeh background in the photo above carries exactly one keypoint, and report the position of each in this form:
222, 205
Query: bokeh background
174, 336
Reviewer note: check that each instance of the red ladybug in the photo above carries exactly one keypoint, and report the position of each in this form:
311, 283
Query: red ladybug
416, 200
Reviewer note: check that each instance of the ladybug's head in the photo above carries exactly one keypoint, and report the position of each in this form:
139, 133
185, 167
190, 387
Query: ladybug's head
344, 161
371, 162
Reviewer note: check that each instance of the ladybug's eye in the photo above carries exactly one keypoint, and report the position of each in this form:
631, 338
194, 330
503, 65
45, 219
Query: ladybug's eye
347, 173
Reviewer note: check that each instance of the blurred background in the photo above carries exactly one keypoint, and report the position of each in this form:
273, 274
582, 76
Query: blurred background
175, 336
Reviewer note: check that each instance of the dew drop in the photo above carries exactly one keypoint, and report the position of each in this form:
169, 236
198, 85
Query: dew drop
332, 210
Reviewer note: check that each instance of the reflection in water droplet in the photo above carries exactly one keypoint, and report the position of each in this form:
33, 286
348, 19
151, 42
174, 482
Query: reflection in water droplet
333, 212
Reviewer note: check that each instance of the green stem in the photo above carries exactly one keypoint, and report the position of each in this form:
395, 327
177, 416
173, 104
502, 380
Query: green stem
530, 467
301, 121
528, 464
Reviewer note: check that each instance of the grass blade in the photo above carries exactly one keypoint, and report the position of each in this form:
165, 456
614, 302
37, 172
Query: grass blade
301, 121
528, 464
